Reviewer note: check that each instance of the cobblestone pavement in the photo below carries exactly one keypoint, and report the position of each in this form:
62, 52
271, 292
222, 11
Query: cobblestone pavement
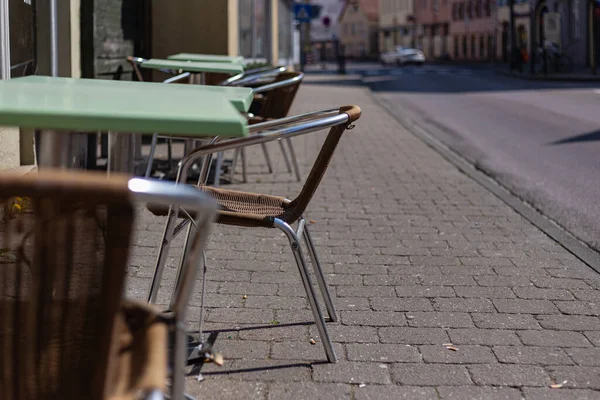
418, 256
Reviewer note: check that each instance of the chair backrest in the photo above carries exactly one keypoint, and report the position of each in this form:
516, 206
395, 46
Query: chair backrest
278, 101
65, 240
299, 204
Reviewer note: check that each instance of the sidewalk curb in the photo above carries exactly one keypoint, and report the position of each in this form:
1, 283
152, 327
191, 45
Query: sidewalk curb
548, 78
568, 241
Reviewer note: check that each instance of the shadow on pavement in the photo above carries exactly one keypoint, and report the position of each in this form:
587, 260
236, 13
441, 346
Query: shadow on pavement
585, 137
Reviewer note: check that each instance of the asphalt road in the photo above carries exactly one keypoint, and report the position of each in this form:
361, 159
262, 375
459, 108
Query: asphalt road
540, 139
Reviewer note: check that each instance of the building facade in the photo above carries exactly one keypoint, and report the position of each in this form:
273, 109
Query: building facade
324, 31
472, 30
396, 24
433, 18
359, 29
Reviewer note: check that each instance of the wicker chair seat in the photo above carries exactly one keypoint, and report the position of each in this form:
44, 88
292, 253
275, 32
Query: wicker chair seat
240, 208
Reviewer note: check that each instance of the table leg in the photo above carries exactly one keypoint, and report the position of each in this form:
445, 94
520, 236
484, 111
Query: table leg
120, 151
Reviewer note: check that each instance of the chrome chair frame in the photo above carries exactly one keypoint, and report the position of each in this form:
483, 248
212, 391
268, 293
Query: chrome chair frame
204, 208
269, 131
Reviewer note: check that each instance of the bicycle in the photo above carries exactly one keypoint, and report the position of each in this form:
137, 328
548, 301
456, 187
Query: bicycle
554, 58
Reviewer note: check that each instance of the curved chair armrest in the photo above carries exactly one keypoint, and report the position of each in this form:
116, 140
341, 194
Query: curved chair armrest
251, 77
280, 84
296, 127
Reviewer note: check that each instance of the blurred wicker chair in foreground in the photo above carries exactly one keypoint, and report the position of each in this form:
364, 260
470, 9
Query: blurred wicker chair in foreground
65, 330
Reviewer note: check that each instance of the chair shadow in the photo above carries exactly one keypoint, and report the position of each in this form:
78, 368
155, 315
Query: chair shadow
214, 334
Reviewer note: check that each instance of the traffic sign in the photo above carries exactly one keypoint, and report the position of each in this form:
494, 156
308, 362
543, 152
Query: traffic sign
302, 12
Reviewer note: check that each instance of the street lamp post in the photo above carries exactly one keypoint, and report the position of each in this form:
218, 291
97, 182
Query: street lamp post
53, 39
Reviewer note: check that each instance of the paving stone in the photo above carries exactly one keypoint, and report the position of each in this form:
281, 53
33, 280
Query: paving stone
448, 280
373, 318
400, 304
584, 356
553, 338
274, 302
384, 353
364, 291
543, 294
520, 271
503, 281
352, 303
522, 306
303, 350
424, 291
578, 307
345, 280
352, 372
532, 355
569, 322
349, 334
559, 283
509, 375
587, 295
463, 305
439, 320
391, 280
478, 393
229, 389
464, 354
484, 337
413, 335
560, 394
473, 270
505, 321
264, 370
274, 333
275, 277
484, 292
430, 374
246, 288
308, 391
576, 377
233, 349
360, 269
393, 392
239, 315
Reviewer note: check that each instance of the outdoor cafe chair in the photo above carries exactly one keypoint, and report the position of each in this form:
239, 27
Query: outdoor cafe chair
256, 210
274, 101
65, 330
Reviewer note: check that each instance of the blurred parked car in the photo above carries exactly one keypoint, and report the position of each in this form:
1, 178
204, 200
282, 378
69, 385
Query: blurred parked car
402, 56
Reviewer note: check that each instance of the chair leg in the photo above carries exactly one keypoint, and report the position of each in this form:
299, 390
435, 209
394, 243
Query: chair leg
267, 157
294, 161
234, 161
308, 287
163, 252
285, 156
319, 275
151, 155
170, 152
218, 165
244, 172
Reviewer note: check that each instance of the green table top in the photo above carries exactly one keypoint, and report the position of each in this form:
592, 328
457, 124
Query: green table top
192, 66
240, 97
79, 105
206, 58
